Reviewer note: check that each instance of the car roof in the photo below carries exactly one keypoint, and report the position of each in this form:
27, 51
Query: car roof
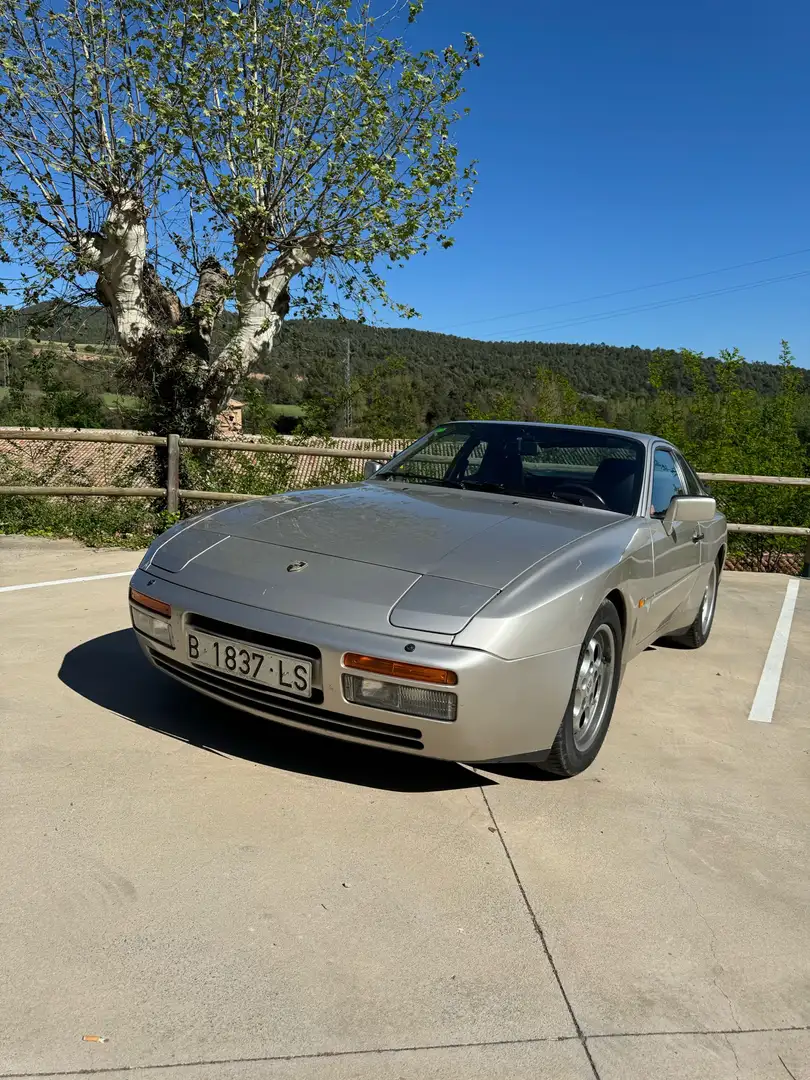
648, 440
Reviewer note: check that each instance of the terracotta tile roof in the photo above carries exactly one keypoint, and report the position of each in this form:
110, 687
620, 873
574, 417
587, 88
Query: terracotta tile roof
117, 464
320, 471
76, 463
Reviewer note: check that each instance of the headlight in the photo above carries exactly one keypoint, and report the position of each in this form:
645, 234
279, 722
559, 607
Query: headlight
399, 698
152, 617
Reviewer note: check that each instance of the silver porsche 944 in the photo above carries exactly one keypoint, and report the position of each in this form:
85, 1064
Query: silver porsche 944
475, 599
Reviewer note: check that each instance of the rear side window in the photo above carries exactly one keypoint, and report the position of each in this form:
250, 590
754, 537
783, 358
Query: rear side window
667, 482
693, 483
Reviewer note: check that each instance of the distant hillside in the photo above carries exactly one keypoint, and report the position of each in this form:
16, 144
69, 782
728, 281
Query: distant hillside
60, 323
450, 370
598, 369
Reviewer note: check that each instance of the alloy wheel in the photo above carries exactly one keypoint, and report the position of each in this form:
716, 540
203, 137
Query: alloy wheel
594, 685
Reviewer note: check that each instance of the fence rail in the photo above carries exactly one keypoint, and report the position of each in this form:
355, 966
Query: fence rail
14, 434
733, 478
285, 448
173, 493
82, 489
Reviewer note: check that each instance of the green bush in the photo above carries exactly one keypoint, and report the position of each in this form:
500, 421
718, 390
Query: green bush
731, 429
93, 520
129, 523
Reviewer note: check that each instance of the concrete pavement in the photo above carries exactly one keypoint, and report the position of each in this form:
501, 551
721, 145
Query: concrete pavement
222, 897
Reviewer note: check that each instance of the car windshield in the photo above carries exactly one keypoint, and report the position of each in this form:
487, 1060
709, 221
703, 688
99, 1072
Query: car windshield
533, 461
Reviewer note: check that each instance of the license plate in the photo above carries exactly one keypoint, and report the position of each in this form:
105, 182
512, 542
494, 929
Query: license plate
251, 663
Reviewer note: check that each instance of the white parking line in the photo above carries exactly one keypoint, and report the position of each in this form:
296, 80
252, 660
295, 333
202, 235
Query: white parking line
765, 698
65, 581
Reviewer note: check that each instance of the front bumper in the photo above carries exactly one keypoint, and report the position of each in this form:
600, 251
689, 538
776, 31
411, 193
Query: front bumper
506, 708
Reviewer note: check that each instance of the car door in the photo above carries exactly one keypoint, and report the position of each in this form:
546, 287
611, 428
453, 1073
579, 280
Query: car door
676, 554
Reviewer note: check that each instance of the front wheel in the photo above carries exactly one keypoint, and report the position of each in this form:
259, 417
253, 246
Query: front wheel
593, 696
698, 633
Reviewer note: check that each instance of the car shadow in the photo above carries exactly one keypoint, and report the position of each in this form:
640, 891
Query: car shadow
111, 671
533, 773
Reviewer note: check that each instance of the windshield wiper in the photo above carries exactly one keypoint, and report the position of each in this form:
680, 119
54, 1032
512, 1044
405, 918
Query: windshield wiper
485, 485
574, 500
489, 486
502, 489
428, 480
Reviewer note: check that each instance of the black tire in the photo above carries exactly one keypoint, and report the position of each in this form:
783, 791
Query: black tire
698, 633
572, 752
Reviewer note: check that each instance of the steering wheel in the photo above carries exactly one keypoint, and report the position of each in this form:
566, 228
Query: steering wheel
583, 488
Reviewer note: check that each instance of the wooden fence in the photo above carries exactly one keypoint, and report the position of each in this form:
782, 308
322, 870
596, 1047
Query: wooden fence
173, 493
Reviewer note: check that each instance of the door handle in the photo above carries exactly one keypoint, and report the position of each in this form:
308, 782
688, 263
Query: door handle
697, 537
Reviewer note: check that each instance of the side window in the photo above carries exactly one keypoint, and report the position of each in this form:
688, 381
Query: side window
666, 482
435, 459
693, 484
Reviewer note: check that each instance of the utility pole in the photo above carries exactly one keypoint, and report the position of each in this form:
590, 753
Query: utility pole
347, 370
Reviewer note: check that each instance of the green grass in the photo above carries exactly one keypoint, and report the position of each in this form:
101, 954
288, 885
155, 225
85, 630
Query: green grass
129, 401
125, 401
88, 349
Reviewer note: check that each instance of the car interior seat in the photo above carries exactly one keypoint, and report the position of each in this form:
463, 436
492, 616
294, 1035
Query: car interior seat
501, 464
615, 481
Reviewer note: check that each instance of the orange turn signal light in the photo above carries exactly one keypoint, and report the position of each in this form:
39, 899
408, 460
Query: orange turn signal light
396, 669
150, 603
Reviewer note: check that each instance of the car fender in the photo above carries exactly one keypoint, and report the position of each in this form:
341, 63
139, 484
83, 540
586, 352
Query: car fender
550, 606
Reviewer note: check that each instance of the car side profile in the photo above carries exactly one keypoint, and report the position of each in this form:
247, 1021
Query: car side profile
474, 599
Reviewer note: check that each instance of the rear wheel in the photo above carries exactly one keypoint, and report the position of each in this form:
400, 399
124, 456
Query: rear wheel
593, 696
698, 632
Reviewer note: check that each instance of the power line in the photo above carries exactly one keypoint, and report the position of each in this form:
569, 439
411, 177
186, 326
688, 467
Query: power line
625, 292
656, 304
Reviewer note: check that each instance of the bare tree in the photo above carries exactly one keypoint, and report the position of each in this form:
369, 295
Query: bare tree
172, 161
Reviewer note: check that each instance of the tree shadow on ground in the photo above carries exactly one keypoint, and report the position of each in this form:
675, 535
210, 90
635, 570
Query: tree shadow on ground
112, 671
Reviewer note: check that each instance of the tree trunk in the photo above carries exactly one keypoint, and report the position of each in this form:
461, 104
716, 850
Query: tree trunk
167, 346
262, 302
118, 255
260, 316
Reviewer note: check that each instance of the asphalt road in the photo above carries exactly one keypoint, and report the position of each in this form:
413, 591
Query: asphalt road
225, 899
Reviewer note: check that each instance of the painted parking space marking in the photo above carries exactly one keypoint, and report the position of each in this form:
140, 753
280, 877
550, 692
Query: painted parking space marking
65, 581
765, 699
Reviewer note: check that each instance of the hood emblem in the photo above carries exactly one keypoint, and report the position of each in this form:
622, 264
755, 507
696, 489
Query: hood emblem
295, 567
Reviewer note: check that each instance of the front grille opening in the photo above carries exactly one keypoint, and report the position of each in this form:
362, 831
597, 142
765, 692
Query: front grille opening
253, 637
298, 710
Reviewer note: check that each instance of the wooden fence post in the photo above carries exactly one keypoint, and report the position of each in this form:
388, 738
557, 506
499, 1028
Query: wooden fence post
173, 475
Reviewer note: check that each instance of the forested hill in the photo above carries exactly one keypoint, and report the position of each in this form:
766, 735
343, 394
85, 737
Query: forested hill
448, 372
609, 371
453, 370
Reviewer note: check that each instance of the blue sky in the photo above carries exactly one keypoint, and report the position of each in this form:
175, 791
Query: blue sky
622, 145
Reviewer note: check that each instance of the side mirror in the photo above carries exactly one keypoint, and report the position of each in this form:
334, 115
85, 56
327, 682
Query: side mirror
370, 468
690, 509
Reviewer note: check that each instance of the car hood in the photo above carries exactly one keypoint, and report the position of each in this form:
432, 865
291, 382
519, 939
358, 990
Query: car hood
461, 536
